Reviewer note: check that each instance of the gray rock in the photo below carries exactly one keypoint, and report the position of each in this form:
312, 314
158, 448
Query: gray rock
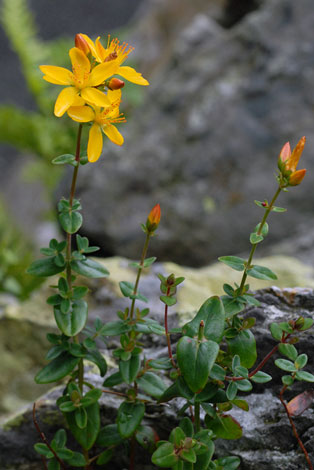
205, 140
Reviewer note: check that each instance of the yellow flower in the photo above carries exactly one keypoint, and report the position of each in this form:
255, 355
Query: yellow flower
81, 82
103, 119
118, 53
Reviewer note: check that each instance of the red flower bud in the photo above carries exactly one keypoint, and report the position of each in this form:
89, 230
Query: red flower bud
115, 84
81, 44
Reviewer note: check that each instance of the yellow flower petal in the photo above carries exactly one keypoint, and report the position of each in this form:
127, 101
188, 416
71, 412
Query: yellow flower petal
95, 142
114, 95
113, 134
97, 97
91, 46
102, 71
101, 51
132, 75
65, 100
57, 75
81, 113
78, 101
80, 65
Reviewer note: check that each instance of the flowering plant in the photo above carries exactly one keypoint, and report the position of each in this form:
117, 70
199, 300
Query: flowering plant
211, 362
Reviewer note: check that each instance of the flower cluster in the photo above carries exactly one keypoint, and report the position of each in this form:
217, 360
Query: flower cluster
91, 93
288, 162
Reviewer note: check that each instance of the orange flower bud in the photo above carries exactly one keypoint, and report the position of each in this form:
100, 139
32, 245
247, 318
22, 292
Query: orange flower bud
293, 160
153, 218
296, 177
81, 44
285, 152
115, 84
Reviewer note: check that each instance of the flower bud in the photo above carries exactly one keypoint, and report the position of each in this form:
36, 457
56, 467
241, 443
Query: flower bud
81, 44
115, 84
296, 177
293, 160
153, 218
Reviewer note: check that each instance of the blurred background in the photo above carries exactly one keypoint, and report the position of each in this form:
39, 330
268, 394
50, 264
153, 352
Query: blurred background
230, 82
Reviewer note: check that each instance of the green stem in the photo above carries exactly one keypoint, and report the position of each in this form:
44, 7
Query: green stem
267, 212
139, 272
197, 420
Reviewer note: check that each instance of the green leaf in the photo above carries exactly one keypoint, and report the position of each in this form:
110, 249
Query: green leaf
97, 358
228, 463
72, 323
188, 455
44, 268
163, 363
232, 390
288, 350
204, 459
261, 377
64, 159
168, 300
109, 436
81, 417
129, 417
308, 322
53, 464
287, 380
60, 438
91, 397
79, 292
241, 371
177, 436
114, 328
57, 369
129, 369
244, 385
244, 345
149, 261
213, 315
42, 449
261, 272
152, 384
146, 436
67, 406
196, 360
70, 221
242, 404
187, 426
207, 393
165, 456
278, 209
85, 437
255, 238
232, 306
178, 389
89, 268
105, 457
302, 375
114, 379
286, 365
54, 352
64, 454
127, 288
77, 460
264, 230
276, 331
233, 262
301, 361
225, 427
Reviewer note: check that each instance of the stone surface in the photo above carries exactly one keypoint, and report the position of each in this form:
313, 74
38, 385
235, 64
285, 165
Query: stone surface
204, 142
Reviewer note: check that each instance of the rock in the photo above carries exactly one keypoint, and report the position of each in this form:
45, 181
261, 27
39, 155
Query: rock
267, 442
205, 140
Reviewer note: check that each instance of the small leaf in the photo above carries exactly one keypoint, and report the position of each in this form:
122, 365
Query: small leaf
244, 385
129, 369
288, 350
244, 345
97, 358
72, 323
261, 377
44, 268
64, 159
129, 417
232, 390
105, 457
42, 449
261, 272
109, 436
286, 365
228, 463
163, 363
77, 460
255, 238
168, 300
303, 375
114, 379
278, 209
165, 456
127, 288
233, 262
287, 380
276, 331
114, 328
57, 369
70, 221
89, 268
225, 427
217, 373
149, 261
187, 426
86, 437
213, 315
242, 404
81, 417
152, 384
301, 361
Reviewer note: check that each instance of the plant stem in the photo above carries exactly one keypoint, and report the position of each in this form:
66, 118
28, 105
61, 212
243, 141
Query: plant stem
197, 421
294, 429
168, 334
267, 212
139, 272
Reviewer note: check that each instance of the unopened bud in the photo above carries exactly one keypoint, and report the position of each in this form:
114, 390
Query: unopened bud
296, 177
81, 44
153, 218
115, 84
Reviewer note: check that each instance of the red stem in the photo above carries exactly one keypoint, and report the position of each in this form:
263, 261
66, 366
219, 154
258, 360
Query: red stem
168, 334
294, 429
44, 439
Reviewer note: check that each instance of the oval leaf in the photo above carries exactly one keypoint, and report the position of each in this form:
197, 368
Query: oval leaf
44, 268
85, 437
152, 384
213, 315
72, 323
244, 345
57, 369
130, 416
89, 268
